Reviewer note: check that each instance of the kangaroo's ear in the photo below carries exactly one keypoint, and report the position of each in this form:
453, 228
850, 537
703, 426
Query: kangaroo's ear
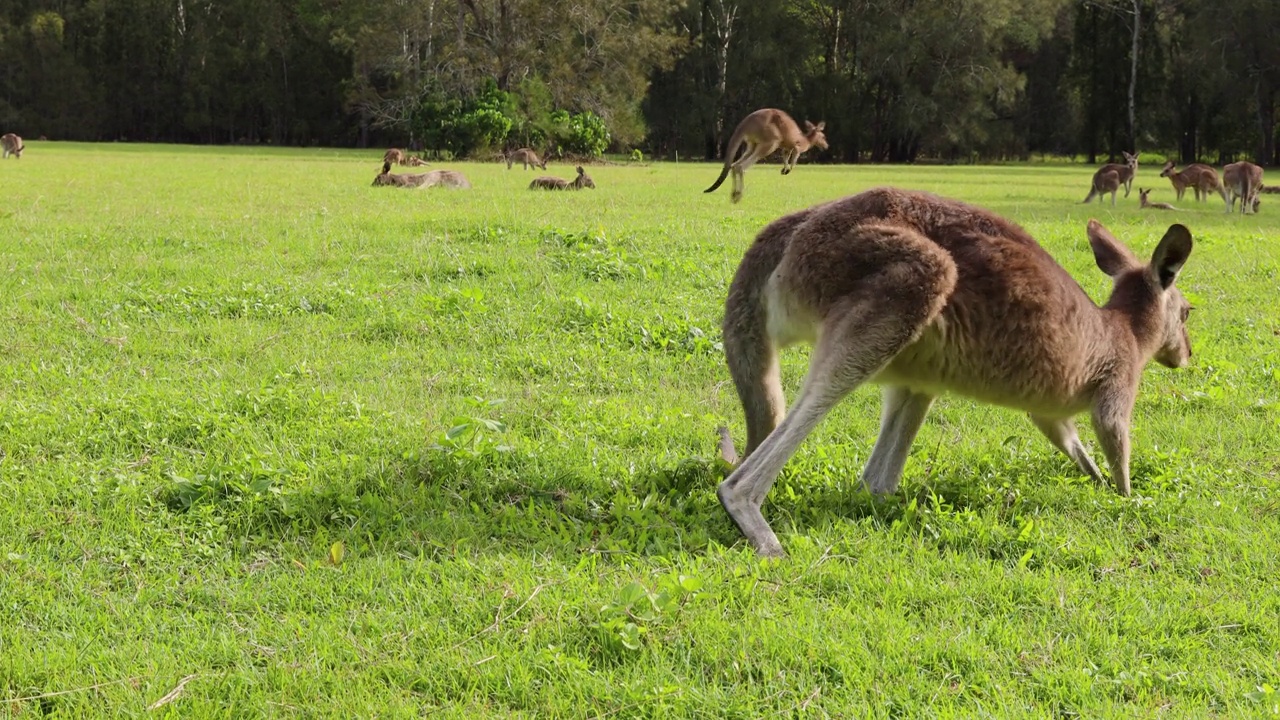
1171, 254
386, 168
821, 124
808, 126
1113, 258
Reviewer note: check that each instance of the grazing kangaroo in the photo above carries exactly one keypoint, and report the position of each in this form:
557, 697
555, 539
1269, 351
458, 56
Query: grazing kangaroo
1242, 180
1143, 202
1201, 178
924, 295
763, 132
554, 183
1111, 176
12, 145
527, 158
394, 156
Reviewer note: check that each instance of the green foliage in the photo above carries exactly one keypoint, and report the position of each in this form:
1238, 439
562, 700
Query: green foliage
464, 126
580, 133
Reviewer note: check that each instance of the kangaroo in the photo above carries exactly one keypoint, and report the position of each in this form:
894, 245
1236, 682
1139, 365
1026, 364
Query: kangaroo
527, 158
435, 178
12, 145
554, 183
1242, 180
923, 295
1201, 178
763, 132
1143, 202
395, 156
1111, 176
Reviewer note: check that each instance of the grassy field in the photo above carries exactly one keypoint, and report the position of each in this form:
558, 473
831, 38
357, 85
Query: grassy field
277, 443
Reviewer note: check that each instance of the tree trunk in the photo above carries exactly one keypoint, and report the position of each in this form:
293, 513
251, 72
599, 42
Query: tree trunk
1133, 77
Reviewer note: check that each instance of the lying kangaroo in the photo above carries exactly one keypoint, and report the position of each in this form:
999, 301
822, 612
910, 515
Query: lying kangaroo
1201, 178
1111, 176
12, 145
763, 132
1143, 202
554, 183
435, 178
1242, 180
527, 158
924, 295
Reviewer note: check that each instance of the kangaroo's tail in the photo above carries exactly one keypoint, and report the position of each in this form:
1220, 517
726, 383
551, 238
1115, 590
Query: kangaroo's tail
1092, 192
730, 154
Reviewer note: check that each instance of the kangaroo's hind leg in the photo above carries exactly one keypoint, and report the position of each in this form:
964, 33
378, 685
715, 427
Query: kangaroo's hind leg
753, 155
875, 289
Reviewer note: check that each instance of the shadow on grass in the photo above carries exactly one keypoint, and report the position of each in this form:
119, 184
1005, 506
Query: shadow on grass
438, 505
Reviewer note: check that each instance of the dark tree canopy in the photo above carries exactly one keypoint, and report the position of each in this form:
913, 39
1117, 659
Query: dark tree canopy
896, 80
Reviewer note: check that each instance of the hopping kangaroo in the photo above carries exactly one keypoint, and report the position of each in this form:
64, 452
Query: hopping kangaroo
1111, 176
12, 145
924, 295
763, 132
554, 183
1242, 180
527, 158
1143, 202
1201, 178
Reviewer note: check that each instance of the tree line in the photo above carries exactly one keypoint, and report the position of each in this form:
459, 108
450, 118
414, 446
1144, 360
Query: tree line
895, 80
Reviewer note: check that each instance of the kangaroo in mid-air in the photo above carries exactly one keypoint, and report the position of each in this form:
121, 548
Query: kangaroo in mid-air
1201, 178
12, 145
1242, 180
763, 132
1146, 204
924, 295
527, 158
1111, 176
554, 183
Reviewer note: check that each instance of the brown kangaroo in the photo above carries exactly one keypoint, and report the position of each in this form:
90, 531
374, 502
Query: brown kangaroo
435, 178
1242, 180
1201, 178
395, 156
527, 158
1143, 202
763, 132
12, 145
554, 183
1111, 176
924, 295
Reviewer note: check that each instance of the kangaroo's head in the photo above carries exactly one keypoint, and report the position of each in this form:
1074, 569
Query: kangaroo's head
1142, 195
813, 133
1145, 292
584, 180
1168, 169
384, 177
1130, 160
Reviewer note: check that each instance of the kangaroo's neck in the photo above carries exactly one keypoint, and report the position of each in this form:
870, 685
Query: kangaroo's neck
1132, 314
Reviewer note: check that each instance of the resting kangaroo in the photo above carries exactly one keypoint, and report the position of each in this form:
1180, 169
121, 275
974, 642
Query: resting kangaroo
12, 145
1143, 202
924, 295
1242, 180
1111, 176
435, 178
527, 158
763, 132
1201, 178
554, 183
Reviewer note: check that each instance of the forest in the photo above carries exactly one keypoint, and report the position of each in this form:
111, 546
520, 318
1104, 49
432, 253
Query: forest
895, 80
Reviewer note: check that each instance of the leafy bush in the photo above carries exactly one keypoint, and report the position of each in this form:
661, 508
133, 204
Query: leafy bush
584, 133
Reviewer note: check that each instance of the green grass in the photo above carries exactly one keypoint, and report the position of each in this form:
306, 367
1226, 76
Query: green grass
250, 433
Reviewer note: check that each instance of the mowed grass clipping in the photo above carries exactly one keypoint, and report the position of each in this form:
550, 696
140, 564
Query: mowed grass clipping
274, 442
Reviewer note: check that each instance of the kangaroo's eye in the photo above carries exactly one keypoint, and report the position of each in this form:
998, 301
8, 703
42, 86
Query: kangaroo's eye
1186, 313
